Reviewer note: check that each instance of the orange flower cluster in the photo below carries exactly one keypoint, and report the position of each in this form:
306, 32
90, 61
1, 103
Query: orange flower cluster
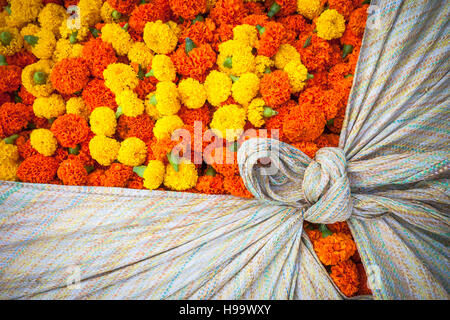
70, 75
70, 130
98, 55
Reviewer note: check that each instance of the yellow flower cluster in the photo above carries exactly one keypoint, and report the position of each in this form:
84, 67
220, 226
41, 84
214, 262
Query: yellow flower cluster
77, 106
298, 74
330, 25
103, 121
23, 12
192, 93
64, 49
118, 37
150, 107
285, 54
141, 54
81, 33
90, 11
165, 126
28, 78
120, 77
262, 64
228, 121
15, 41
246, 34
218, 87
9, 157
185, 178
309, 8
163, 68
106, 12
131, 105
154, 174
235, 57
43, 43
49, 107
255, 112
166, 98
104, 150
43, 141
159, 37
132, 152
51, 17
246, 88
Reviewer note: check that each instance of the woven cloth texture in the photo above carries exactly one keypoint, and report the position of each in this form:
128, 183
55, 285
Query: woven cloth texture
389, 179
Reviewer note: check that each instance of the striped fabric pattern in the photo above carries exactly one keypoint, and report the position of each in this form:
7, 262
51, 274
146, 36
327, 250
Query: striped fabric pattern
389, 179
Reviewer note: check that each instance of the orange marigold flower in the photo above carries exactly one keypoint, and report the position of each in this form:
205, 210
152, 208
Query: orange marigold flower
70, 130
96, 178
196, 62
303, 123
315, 52
117, 175
10, 78
4, 98
275, 88
228, 12
313, 234
158, 149
14, 117
325, 100
21, 59
153, 11
145, 86
24, 147
235, 186
255, 19
335, 126
327, 140
357, 20
353, 58
350, 38
271, 39
222, 33
254, 8
335, 248
135, 182
70, 75
189, 116
223, 160
187, 9
37, 169
363, 285
140, 127
320, 80
344, 7
288, 7
307, 147
296, 23
345, 276
98, 55
72, 172
96, 94
276, 122
123, 6
201, 32
27, 98
340, 227
210, 184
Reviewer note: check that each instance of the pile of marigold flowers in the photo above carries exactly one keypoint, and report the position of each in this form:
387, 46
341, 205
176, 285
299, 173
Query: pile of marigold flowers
92, 92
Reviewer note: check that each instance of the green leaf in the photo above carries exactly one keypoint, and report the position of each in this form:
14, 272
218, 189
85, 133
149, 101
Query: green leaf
8, 9
153, 100
269, 112
95, 32
140, 170
126, 26
116, 15
74, 151
330, 122
11, 139
150, 74
174, 161
346, 50
228, 63
310, 76
234, 147
3, 60
189, 45
119, 112
5, 38
234, 78
348, 76
261, 29
274, 9
199, 17
89, 169
73, 37
324, 230
40, 77
307, 42
210, 172
31, 40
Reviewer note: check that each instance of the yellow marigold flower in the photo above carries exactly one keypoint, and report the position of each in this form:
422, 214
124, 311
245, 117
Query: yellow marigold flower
163, 68
104, 150
43, 87
49, 107
120, 77
166, 98
43, 141
166, 125
77, 106
118, 37
309, 8
132, 152
247, 34
235, 57
23, 11
285, 54
130, 104
64, 49
154, 174
298, 75
263, 64
229, 121
175, 27
103, 121
255, 112
30, 28
141, 54
3, 15
150, 108
218, 87
8, 152
8, 170
192, 93
42, 43
159, 37
246, 88
10, 41
80, 33
330, 25
185, 178
90, 11
106, 12
51, 17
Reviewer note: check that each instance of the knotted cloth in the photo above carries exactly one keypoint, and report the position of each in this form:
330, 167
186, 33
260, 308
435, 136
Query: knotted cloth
389, 179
